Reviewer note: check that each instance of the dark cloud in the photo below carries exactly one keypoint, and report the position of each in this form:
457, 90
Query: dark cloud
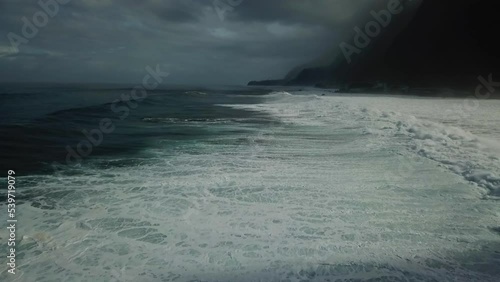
327, 13
114, 40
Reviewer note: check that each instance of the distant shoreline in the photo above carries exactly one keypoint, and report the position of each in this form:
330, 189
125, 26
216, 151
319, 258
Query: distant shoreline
417, 92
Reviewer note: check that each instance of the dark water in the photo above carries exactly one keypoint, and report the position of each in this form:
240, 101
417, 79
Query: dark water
187, 189
42, 125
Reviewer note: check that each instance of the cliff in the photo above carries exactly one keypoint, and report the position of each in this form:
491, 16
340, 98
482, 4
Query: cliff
445, 43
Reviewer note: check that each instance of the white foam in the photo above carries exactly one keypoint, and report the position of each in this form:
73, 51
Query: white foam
432, 135
338, 188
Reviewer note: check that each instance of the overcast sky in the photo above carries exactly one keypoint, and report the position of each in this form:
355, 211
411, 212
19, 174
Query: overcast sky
114, 40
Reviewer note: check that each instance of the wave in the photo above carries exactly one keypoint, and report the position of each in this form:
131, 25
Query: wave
475, 158
460, 151
195, 93
279, 94
186, 120
301, 199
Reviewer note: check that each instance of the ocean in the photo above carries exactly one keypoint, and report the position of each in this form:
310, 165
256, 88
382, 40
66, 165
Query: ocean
244, 184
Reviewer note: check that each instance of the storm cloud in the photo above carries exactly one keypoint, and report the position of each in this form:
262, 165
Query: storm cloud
114, 40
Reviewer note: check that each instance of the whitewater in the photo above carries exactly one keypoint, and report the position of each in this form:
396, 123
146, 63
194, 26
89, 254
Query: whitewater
306, 186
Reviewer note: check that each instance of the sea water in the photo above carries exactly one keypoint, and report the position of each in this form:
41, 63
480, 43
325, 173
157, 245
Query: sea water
253, 185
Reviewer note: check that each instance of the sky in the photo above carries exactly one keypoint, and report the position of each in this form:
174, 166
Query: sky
224, 42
